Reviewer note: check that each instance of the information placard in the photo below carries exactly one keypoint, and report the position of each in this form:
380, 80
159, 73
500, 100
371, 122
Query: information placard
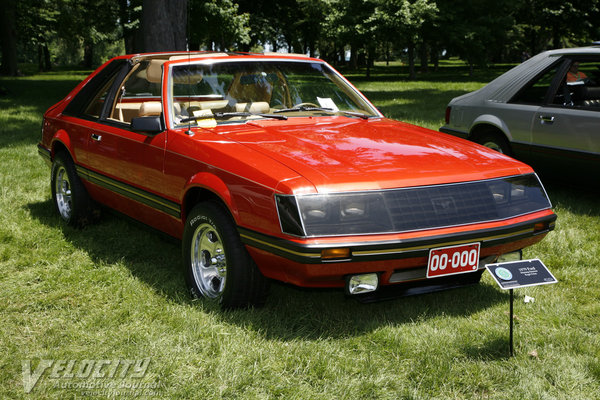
516, 274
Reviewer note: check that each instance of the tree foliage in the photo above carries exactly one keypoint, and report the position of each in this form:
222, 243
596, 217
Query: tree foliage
341, 31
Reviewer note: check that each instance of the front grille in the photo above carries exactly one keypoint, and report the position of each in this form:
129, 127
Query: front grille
422, 208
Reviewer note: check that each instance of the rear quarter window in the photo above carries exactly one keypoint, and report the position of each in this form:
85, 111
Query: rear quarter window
88, 103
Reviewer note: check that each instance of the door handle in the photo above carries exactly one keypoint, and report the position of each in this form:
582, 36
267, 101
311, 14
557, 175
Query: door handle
547, 119
96, 137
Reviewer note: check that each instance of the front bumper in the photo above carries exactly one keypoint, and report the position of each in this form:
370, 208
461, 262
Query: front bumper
396, 260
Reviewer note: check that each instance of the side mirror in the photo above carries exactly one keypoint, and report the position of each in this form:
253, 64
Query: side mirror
147, 125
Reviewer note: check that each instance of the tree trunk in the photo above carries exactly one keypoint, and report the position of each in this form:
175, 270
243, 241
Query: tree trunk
88, 54
556, 37
411, 61
47, 61
353, 57
40, 58
132, 37
424, 58
435, 57
164, 25
8, 38
387, 54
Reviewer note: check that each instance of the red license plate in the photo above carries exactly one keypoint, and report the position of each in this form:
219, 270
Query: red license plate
453, 260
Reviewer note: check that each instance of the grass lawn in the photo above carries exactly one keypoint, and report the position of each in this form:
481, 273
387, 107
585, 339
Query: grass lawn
114, 291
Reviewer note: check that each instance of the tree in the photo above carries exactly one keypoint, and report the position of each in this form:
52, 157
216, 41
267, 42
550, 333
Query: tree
164, 24
405, 18
8, 38
130, 14
477, 30
218, 24
36, 21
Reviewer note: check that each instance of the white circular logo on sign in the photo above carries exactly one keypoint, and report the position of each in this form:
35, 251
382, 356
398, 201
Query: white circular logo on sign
503, 274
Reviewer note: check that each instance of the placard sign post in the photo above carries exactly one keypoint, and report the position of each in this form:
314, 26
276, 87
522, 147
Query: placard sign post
516, 274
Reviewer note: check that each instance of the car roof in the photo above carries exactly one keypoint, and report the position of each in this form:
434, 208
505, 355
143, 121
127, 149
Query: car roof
508, 84
202, 55
595, 49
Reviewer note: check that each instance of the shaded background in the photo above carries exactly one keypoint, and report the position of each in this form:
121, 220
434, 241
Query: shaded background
351, 33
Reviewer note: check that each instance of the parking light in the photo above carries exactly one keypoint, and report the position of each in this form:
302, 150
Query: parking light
332, 254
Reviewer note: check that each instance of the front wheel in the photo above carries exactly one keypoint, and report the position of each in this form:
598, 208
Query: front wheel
217, 265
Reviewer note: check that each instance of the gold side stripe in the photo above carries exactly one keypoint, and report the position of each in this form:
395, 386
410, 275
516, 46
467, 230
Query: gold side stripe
315, 255
127, 189
405, 249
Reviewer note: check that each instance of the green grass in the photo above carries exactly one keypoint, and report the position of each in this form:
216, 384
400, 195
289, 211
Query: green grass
115, 291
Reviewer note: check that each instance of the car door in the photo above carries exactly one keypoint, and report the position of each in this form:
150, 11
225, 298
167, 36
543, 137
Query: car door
519, 113
130, 163
566, 130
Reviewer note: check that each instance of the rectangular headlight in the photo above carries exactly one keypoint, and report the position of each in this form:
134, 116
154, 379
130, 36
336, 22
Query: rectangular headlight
344, 214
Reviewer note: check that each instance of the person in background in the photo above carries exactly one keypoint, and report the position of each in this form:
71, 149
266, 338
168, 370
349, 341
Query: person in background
574, 74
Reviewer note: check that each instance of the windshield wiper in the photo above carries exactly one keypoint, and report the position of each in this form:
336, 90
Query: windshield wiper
326, 109
222, 115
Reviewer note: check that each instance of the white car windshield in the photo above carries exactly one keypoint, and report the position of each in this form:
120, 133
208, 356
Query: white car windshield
227, 92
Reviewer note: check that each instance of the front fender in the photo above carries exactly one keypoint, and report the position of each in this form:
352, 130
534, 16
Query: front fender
204, 182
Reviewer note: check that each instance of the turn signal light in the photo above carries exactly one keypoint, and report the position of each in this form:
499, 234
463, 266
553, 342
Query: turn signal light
332, 254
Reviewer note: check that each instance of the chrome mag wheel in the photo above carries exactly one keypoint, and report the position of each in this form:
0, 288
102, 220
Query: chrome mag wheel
64, 200
208, 262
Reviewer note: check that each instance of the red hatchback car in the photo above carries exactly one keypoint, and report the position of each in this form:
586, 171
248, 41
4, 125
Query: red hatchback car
272, 166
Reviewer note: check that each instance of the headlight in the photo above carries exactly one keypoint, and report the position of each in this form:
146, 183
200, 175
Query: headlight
335, 214
518, 195
344, 214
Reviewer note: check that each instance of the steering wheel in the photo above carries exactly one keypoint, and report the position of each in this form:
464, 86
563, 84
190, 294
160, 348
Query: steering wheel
301, 105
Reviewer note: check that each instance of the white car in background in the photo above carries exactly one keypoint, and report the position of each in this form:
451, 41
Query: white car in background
545, 111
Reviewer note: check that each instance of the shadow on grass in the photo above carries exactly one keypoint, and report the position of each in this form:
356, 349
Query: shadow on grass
579, 199
291, 313
495, 349
25, 102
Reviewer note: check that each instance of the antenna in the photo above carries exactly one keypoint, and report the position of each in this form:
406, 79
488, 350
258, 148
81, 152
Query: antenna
189, 131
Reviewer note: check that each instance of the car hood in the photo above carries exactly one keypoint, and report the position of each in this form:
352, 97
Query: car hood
342, 154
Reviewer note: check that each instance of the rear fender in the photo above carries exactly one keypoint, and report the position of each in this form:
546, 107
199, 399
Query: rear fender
62, 139
490, 120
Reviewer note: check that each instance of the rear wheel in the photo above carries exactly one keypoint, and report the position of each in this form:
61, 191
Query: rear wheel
217, 265
494, 141
68, 193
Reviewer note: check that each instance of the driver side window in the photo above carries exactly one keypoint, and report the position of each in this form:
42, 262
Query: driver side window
580, 86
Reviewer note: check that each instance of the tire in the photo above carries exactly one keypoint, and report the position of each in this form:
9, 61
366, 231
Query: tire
217, 266
494, 141
70, 197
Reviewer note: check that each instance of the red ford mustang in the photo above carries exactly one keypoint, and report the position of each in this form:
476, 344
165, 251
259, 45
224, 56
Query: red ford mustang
276, 167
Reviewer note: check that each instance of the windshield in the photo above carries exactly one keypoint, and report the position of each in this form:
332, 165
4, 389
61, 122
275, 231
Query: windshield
238, 91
